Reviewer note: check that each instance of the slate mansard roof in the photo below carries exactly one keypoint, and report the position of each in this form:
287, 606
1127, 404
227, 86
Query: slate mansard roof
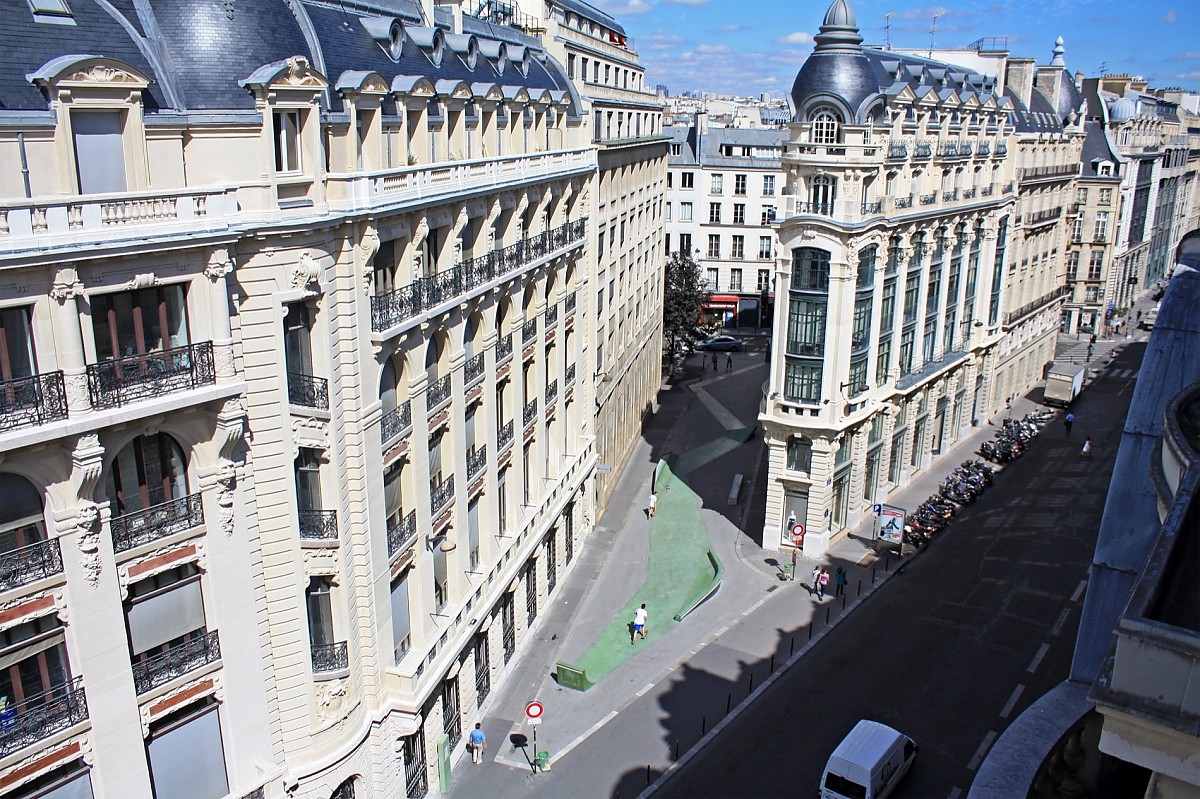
712, 139
196, 52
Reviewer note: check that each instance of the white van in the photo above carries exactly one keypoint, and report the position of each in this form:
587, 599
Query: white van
868, 763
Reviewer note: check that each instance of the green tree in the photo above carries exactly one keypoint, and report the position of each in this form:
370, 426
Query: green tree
684, 293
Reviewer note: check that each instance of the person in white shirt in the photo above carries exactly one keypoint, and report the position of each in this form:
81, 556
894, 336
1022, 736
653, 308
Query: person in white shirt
639, 623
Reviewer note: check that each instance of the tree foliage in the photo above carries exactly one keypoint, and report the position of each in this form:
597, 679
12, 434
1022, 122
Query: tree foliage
684, 293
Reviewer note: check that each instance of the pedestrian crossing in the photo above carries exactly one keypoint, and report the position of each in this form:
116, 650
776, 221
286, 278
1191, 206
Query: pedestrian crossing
1120, 374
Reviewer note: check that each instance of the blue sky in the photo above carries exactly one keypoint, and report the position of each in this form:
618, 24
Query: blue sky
746, 47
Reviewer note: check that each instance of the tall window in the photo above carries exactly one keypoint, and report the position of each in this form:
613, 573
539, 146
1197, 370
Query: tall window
99, 151
401, 626
764, 280
998, 271
735, 275
806, 326
810, 269
768, 185
739, 184
802, 381
825, 127
687, 180
287, 141
148, 471
717, 184
320, 611
799, 454
738, 249
1096, 266
1073, 265
714, 213
685, 212
712, 278
714, 246
822, 191
764, 248
1101, 232
739, 214
130, 323
186, 754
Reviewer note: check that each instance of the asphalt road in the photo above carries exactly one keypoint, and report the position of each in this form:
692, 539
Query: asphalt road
975, 629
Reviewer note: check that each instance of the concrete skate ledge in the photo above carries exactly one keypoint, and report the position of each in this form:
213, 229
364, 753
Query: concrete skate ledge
708, 590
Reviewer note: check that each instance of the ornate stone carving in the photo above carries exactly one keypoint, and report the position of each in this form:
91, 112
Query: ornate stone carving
87, 521
142, 281
331, 700
309, 432
67, 285
219, 265
299, 74
320, 562
307, 273
101, 73
226, 482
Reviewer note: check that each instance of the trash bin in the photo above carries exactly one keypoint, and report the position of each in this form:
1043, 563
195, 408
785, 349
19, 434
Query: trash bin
542, 760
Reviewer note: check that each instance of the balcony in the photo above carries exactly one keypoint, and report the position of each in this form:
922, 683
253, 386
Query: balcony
437, 393
29, 564
392, 188
504, 436
403, 534
327, 658
396, 423
929, 199
985, 149
1041, 173
529, 331
551, 392
570, 303
820, 209
440, 495
872, 208
847, 152
529, 415
113, 384
396, 307
156, 522
939, 363
32, 401
969, 194
317, 525
551, 316
986, 191
570, 375
41, 716
473, 368
504, 348
904, 202
1001, 149
1045, 217
1031, 307
91, 220
949, 196
177, 661
923, 150
476, 460
897, 151
306, 391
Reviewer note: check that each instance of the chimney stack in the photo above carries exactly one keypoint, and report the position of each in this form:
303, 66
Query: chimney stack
1018, 76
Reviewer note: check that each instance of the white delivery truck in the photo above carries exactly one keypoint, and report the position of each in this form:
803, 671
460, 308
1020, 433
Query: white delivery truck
1063, 384
868, 763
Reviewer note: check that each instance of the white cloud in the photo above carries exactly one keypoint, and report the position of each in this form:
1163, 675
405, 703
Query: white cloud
730, 28
624, 8
1169, 17
1186, 76
928, 12
1192, 56
798, 37
688, 2
712, 49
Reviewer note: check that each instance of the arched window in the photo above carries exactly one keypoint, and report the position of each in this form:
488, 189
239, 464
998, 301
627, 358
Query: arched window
26, 554
822, 191
825, 127
148, 471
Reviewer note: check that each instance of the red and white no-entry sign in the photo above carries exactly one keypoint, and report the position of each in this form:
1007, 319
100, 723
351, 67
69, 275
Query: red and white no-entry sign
534, 710
798, 532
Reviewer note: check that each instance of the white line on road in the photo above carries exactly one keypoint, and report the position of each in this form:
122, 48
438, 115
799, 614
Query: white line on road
1060, 622
1079, 590
642, 692
1012, 701
1037, 659
982, 750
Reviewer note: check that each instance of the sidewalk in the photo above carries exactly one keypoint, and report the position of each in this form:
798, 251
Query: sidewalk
749, 630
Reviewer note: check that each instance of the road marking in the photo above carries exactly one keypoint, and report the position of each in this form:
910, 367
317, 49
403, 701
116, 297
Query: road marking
719, 412
642, 692
1079, 590
590, 731
1037, 659
982, 750
1061, 621
1012, 701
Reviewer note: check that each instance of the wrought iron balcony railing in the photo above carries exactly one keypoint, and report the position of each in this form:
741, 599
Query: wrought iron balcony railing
504, 347
570, 303
307, 391
1001, 148
949, 196
897, 151
985, 148
317, 525
437, 393
401, 535
396, 422
551, 392
118, 382
1040, 302
552, 316
1044, 216
570, 374
504, 435
32, 400
923, 150
872, 208
38, 717
821, 209
30, 563
139, 527
330, 657
177, 661
968, 194
529, 331
402, 304
476, 460
904, 202
986, 191
929, 199
440, 495
530, 413
473, 369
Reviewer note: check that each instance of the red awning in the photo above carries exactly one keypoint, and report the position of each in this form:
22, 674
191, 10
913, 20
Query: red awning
723, 299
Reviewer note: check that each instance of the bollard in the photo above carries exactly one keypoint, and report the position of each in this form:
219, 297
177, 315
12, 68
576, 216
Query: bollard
872, 575
860, 587
728, 702
810, 631
887, 563
843, 601
772, 671
703, 725
792, 647
677, 750
827, 614
647, 773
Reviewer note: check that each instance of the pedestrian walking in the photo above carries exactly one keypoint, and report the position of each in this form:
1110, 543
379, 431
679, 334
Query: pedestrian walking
477, 742
816, 581
1091, 350
1139, 316
714, 360
729, 362
639, 624
652, 505
822, 581
1068, 421
839, 582
1086, 452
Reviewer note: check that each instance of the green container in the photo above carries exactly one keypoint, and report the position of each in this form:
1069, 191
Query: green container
542, 760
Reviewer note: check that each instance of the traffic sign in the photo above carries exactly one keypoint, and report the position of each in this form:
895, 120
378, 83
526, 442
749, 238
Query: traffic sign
878, 508
534, 710
798, 532
534, 722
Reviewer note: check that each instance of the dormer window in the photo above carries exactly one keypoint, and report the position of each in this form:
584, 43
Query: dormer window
395, 42
287, 140
438, 50
825, 127
52, 11
472, 55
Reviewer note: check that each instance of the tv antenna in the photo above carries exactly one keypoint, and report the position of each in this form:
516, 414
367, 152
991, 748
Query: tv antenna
1103, 67
887, 30
932, 31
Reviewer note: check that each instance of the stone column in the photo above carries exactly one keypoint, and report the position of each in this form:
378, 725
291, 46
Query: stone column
69, 339
220, 265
